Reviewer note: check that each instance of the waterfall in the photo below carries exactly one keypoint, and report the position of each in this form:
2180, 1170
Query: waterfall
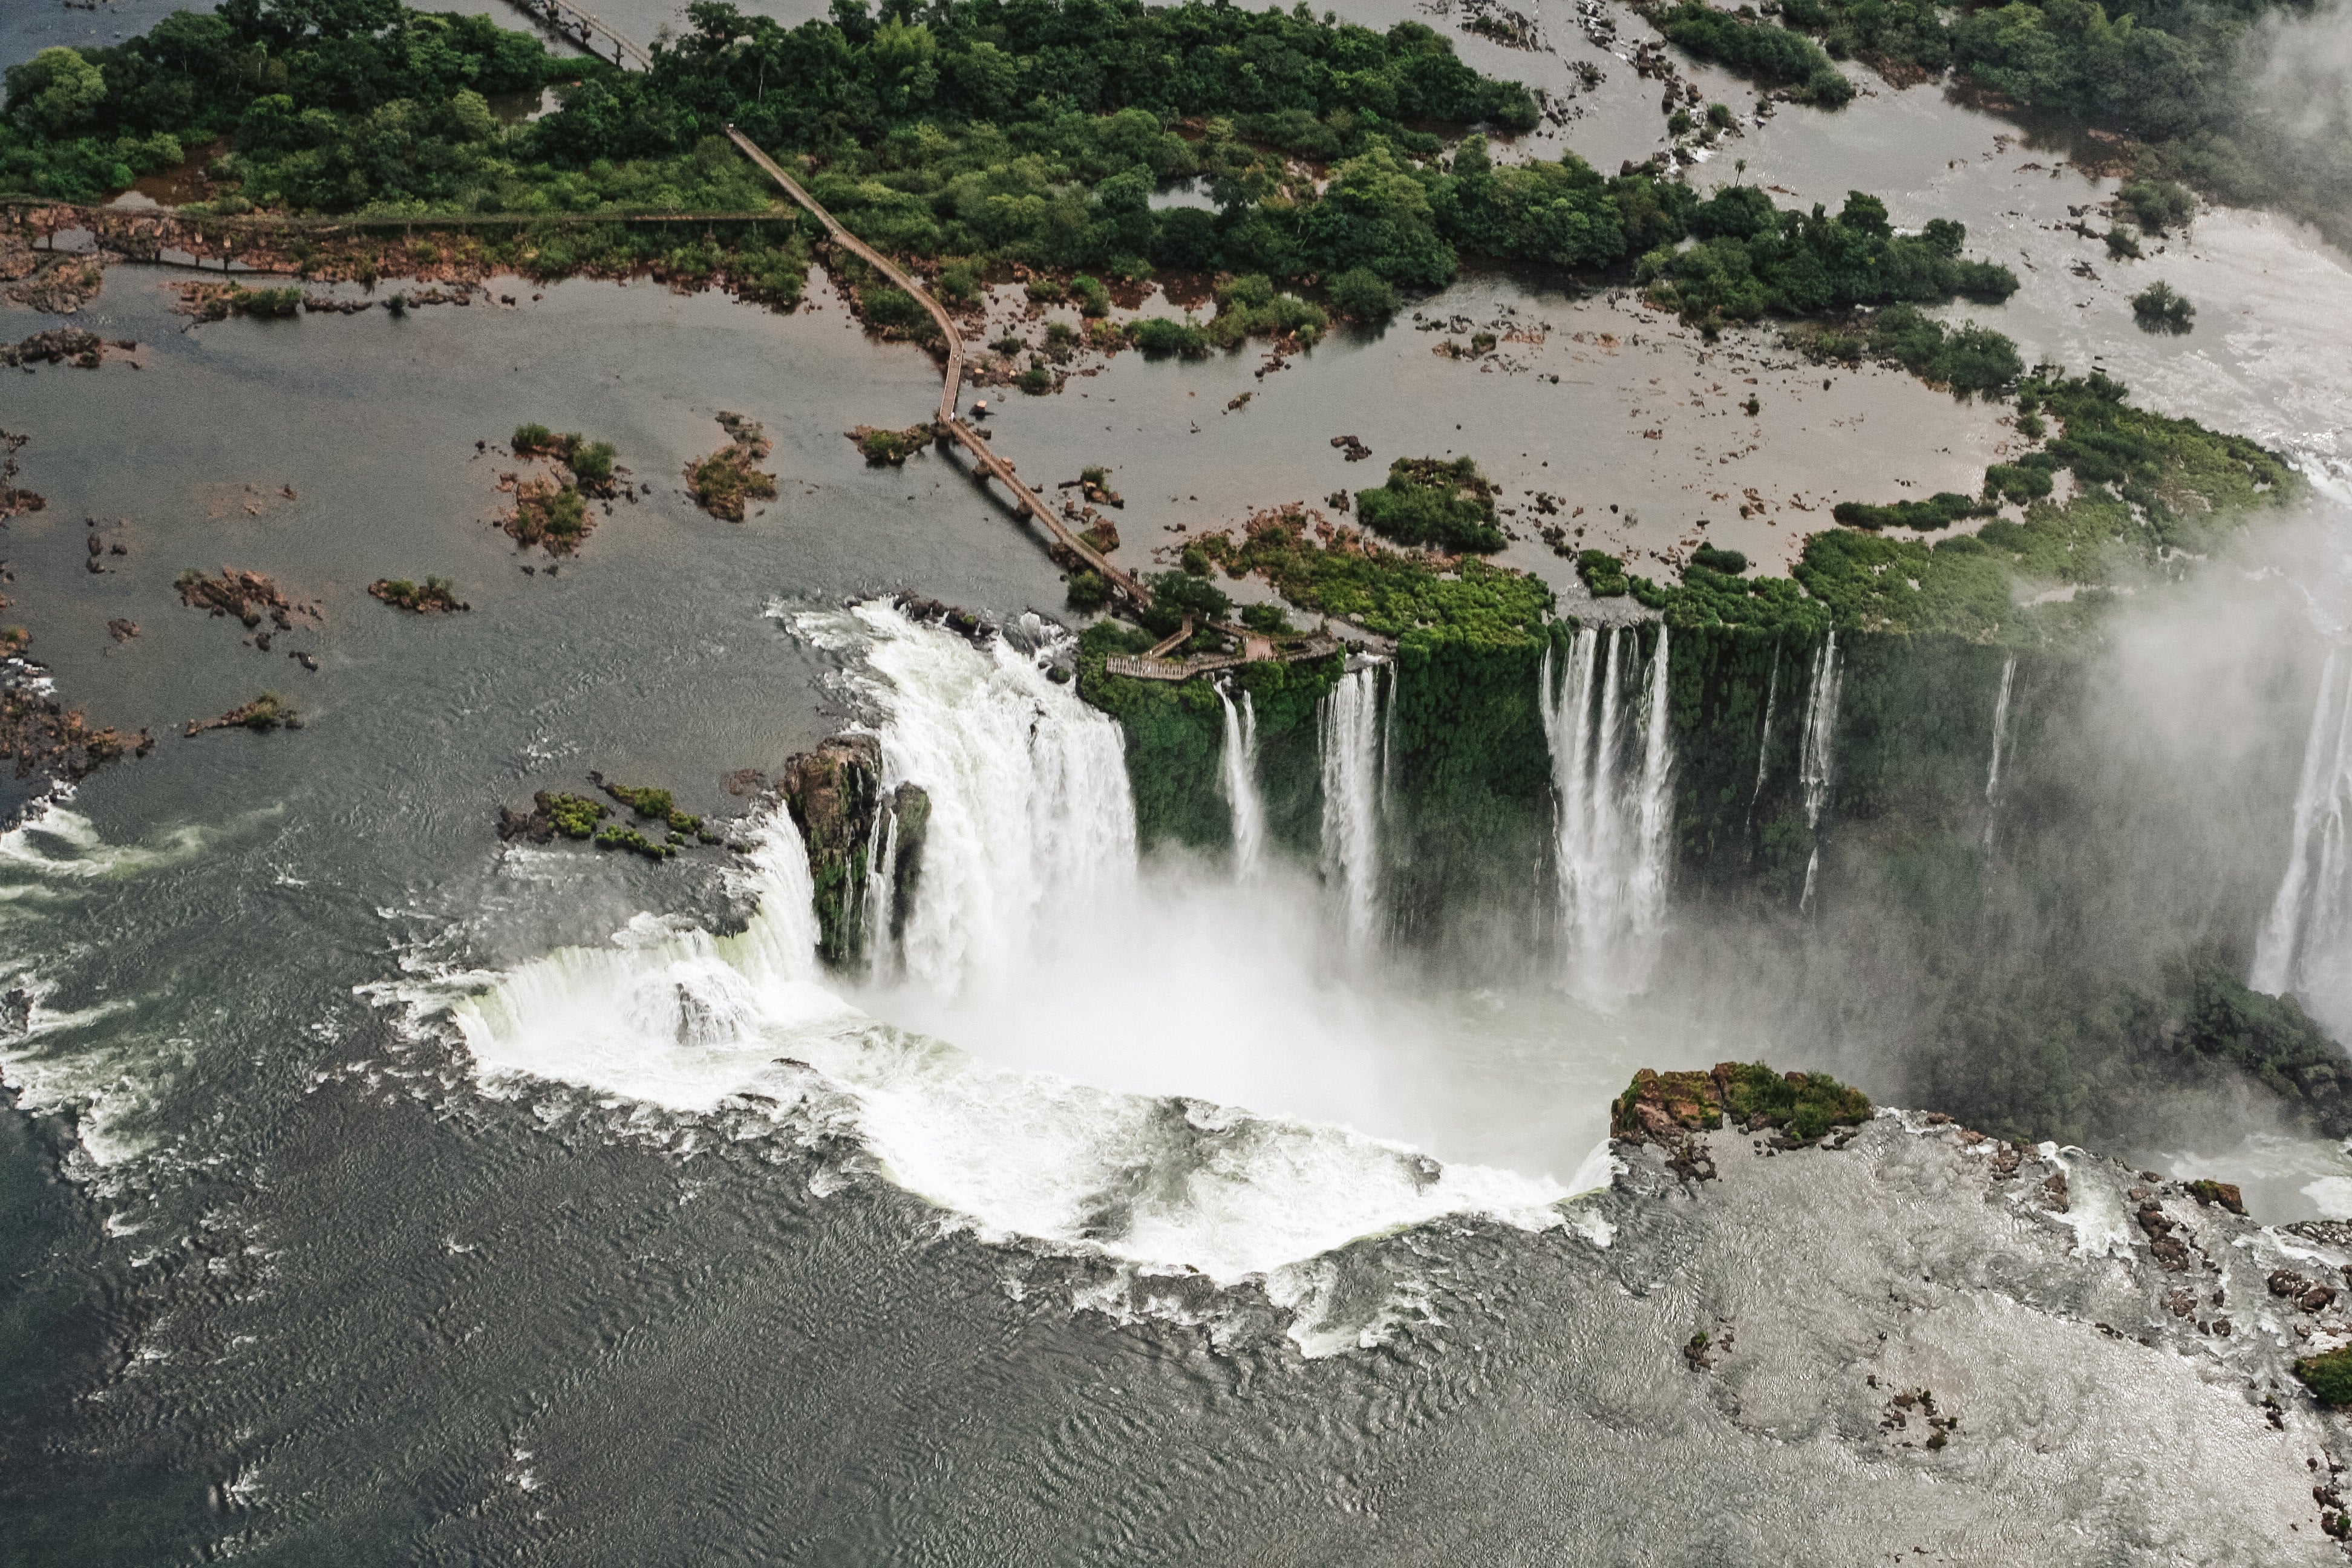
1999, 736
1764, 736
1613, 810
881, 887
1239, 777
1814, 770
1351, 758
2303, 945
1031, 814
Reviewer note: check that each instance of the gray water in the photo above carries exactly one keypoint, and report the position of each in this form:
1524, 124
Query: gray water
288, 1285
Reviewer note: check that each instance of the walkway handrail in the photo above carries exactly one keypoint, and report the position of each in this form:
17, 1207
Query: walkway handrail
951, 385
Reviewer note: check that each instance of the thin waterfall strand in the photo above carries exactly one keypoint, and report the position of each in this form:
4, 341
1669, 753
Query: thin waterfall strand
1816, 768
2000, 738
1350, 840
1238, 775
881, 892
1764, 736
2303, 945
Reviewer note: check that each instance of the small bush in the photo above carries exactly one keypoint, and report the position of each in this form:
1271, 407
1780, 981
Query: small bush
1160, 336
1036, 381
1362, 294
1938, 510
1092, 299
2329, 1376
1088, 590
1266, 619
889, 308
1428, 500
1603, 574
2159, 309
1731, 563
2123, 245
957, 285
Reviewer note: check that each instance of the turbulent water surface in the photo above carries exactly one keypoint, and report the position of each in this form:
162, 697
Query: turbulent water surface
376, 1191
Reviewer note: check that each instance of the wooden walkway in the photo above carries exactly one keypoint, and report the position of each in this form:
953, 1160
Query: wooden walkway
1151, 667
576, 26
951, 386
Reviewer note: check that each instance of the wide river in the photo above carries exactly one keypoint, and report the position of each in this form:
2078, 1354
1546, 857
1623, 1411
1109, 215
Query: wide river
375, 1191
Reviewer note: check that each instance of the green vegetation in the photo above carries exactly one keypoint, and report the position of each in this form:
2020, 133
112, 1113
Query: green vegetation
437, 596
1603, 574
613, 835
574, 815
1753, 259
1029, 133
2329, 1376
1249, 307
1362, 295
1342, 573
1160, 336
889, 448
1938, 510
1448, 506
724, 480
2145, 487
1750, 1094
1806, 1104
1968, 359
1770, 53
655, 804
1176, 735
2158, 309
2184, 77
1731, 563
591, 462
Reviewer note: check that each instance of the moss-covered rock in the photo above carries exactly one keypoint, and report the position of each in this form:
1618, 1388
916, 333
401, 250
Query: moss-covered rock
2329, 1376
832, 793
1663, 1107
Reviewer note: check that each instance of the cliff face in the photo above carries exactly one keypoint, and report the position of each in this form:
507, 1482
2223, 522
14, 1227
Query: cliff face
845, 818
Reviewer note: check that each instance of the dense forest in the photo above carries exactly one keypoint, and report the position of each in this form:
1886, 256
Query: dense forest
2186, 78
1028, 130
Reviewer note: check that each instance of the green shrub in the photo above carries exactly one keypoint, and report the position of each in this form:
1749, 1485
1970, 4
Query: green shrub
1429, 500
1088, 590
1160, 336
1362, 294
529, 439
575, 815
957, 285
1603, 574
891, 307
2159, 309
592, 461
1036, 381
567, 513
1266, 619
1092, 299
1938, 510
2329, 1376
1731, 563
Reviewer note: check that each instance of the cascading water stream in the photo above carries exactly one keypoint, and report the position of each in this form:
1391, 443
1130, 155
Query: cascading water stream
1609, 837
1238, 775
1764, 736
2000, 739
881, 890
1028, 786
1814, 771
2306, 945
1032, 820
1351, 777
